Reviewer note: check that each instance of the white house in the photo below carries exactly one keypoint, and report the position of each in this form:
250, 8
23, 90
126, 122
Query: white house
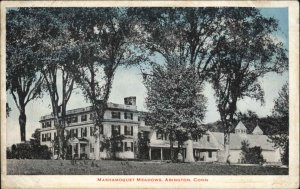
126, 120
122, 118
256, 138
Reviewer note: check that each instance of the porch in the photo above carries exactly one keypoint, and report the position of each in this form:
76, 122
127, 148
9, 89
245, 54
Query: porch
77, 148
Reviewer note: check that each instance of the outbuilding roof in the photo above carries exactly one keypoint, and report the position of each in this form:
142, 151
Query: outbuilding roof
236, 140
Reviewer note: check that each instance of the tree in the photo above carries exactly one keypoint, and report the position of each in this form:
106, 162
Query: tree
190, 35
280, 135
103, 41
182, 36
251, 155
55, 59
174, 101
247, 51
23, 81
143, 146
36, 138
112, 144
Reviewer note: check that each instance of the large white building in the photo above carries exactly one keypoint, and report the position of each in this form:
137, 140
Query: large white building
126, 120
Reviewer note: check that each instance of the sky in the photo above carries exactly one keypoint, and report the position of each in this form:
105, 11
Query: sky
128, 82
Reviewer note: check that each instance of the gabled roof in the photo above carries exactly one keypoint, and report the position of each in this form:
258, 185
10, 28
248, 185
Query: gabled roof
236, 141
204, 144
257, 131
241, 126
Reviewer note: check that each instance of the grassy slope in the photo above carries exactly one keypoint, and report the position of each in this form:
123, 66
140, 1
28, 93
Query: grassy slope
106, 167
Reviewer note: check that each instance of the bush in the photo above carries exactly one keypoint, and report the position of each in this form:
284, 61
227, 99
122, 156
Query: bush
251, 155
27, 151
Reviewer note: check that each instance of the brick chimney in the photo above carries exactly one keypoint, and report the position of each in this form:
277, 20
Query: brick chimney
131, 100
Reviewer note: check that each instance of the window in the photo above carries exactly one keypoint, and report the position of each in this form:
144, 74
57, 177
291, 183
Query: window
159, 135
129, 146
128, 130
115, 115
83, 132
115, 129
74, 119
46, 137
69, 120
83, 118
91, 148
55, 134
43, 125
48, 123
43, 138
74, 133
128, 115
92, 116
209, 154
92, 130
208, 138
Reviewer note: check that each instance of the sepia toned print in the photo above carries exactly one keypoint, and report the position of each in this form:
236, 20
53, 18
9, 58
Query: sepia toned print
149, 95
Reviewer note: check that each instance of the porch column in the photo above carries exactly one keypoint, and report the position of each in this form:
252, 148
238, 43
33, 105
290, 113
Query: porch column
161, 154
150, 153
78, 150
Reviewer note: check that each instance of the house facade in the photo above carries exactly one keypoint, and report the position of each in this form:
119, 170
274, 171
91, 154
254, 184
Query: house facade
256, 138
125, 119
119, 118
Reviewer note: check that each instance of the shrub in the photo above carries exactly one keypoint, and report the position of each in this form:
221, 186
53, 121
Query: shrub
27, 151
251, 155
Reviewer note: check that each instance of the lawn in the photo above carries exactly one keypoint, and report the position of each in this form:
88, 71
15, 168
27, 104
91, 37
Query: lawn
109, 167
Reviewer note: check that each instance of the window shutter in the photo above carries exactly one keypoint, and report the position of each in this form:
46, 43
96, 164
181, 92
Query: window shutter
125, 129
131, 131
132, 146
131, 116
122, 147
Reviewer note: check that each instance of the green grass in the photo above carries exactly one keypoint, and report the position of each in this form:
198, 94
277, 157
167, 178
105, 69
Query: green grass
109, 167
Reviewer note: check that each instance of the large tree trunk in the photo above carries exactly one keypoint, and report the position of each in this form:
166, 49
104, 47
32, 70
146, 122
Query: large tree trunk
226, 128
226, 147
60, 135
172, 150
97, 145
189, 151
22, 123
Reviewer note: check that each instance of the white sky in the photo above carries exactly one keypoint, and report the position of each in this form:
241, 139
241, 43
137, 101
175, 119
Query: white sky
128, 82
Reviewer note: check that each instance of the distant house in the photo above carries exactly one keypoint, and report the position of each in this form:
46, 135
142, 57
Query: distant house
256, 138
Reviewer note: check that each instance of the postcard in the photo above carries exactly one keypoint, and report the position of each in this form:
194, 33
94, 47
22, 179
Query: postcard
149, 94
